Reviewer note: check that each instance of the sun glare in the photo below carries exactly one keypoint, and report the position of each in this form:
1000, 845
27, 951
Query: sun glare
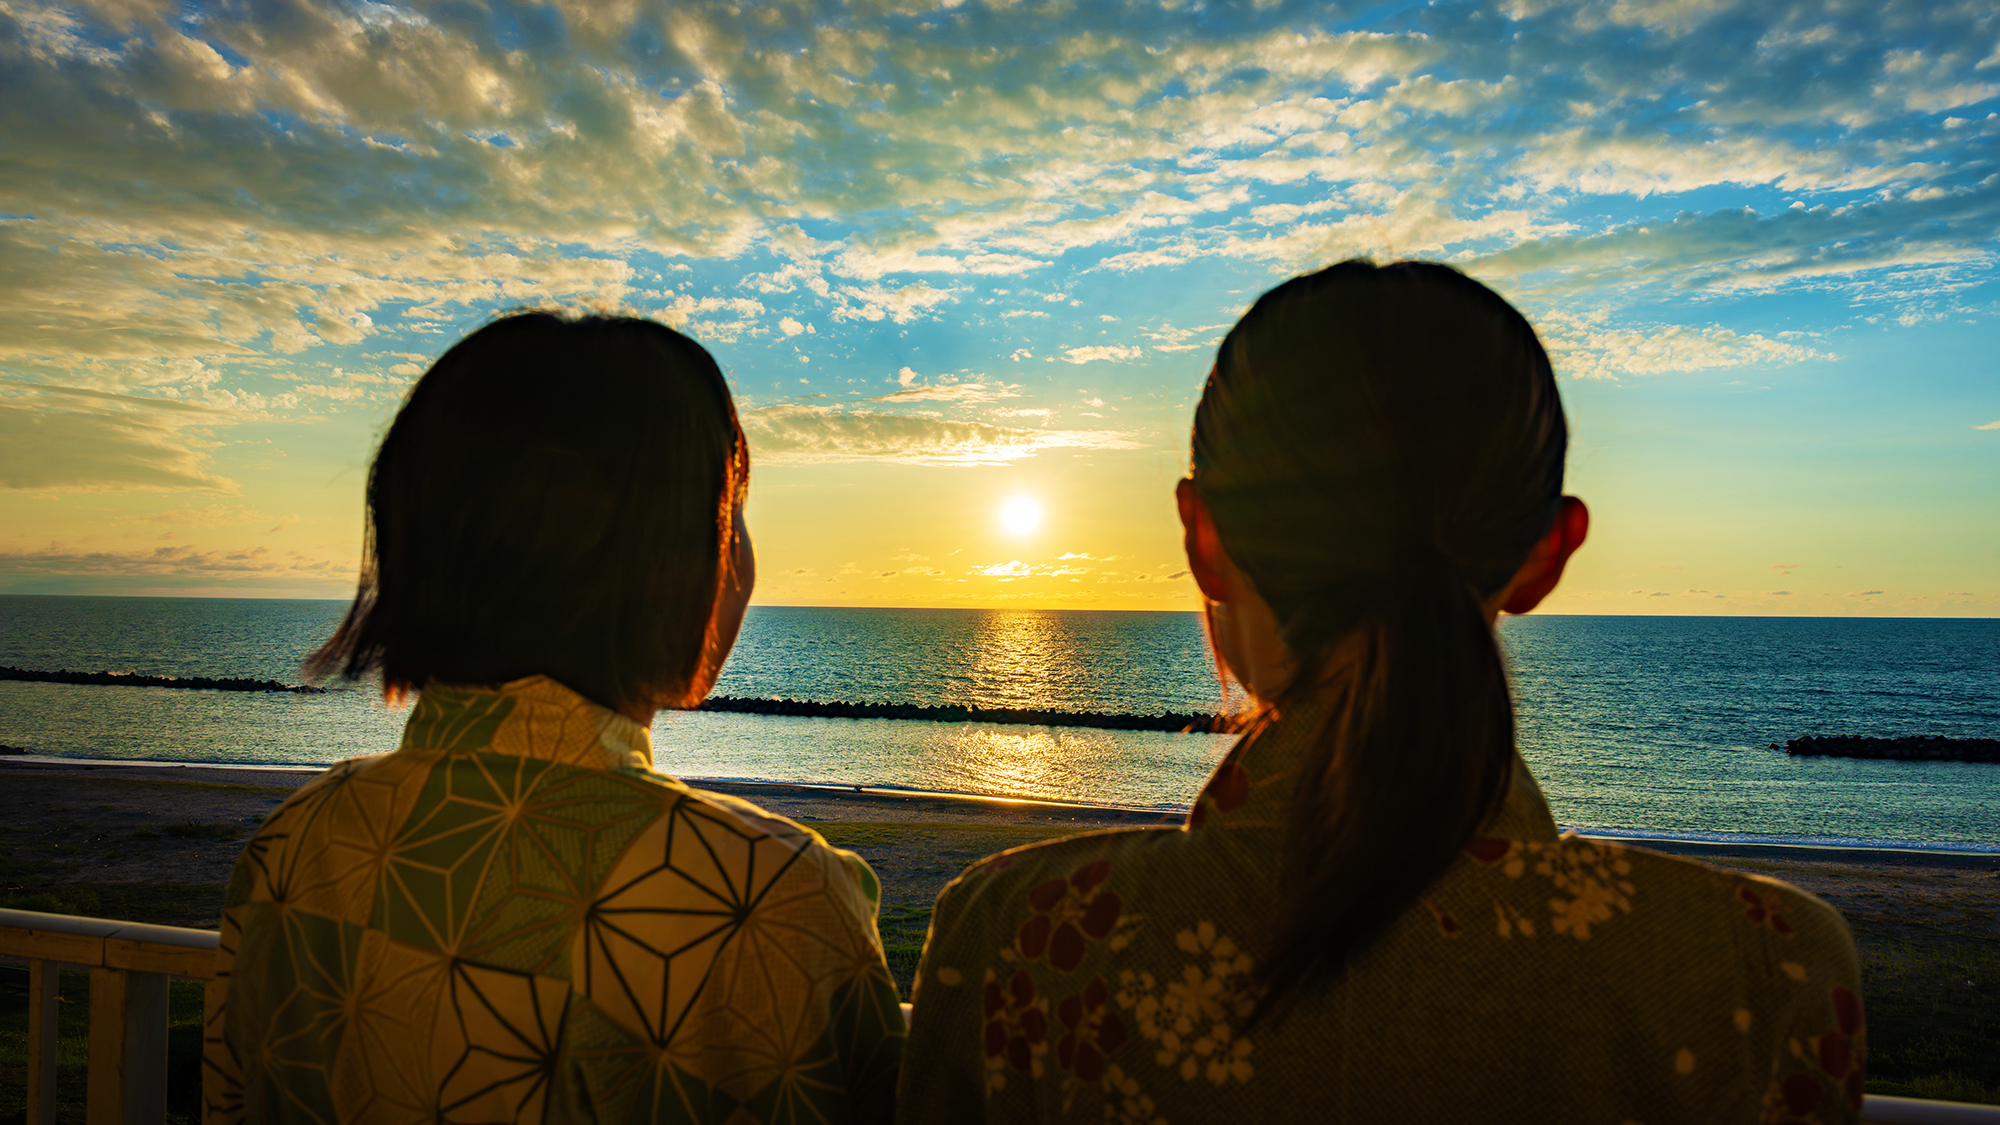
1020, 515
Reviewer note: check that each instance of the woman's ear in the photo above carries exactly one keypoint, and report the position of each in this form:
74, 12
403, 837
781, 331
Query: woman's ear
1204, 546
1544, 568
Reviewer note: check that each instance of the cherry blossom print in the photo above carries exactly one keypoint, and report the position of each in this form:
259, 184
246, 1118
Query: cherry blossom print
1017, 1025
1801, 1094
1593, 875
1225, 792
1765, 908
1447, 925
1190, 1020
1841, 1052
1068, 914
1093, 1031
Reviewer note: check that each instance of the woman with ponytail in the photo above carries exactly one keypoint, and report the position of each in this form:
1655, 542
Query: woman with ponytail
1369, 914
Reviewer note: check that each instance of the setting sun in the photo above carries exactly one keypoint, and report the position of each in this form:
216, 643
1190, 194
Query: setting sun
1020, 515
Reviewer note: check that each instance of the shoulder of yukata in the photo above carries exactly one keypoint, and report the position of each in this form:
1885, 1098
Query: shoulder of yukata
1002, 877
323, 783
1782, 910
770, 824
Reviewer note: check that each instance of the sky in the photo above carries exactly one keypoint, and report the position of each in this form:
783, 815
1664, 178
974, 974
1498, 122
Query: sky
958, 256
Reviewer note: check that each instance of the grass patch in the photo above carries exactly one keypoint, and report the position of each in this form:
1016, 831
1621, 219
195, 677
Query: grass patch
903, 931
1950, 1086
184, 1021
1934, 1018
190, 830
159, 904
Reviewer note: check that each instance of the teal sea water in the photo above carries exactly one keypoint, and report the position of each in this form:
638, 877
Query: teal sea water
1649, 725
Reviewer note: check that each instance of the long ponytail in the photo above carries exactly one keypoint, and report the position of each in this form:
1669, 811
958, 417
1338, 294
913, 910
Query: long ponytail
1380, 449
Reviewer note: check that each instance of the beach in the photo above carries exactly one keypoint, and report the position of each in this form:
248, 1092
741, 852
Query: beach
156, 844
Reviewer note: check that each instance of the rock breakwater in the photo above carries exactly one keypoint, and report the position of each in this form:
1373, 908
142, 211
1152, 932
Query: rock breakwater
1933, 749
124, 679
1193, 722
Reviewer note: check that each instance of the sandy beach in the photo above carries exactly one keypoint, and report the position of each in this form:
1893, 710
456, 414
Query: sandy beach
156, 843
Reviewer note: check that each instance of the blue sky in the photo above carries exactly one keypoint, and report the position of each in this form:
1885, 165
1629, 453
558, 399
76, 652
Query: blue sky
953, 254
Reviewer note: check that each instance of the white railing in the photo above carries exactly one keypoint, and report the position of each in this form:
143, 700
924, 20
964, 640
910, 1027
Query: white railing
129, 964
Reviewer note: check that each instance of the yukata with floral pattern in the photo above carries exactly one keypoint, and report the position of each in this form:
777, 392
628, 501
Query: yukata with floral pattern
512, 918
1109, 977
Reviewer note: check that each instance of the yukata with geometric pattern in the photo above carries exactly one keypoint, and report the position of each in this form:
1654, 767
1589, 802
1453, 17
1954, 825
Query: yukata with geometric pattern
1542, 978
513, 918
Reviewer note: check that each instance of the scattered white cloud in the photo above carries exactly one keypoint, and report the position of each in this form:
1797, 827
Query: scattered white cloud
1016, 569
967, 393
1094, 352
793, 432
1586, 346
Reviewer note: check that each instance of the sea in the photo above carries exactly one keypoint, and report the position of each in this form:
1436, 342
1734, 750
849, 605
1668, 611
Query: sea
1641, 726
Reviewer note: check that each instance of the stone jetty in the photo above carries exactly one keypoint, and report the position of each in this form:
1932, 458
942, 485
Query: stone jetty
1031, 716
1933, 749
126, 679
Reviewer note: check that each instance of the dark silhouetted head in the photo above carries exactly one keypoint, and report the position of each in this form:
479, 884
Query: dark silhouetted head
1380, 449
557, 496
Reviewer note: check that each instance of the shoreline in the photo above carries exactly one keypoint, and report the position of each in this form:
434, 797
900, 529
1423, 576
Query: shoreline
811, 801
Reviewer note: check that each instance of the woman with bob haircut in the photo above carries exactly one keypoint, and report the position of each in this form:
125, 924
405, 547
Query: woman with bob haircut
512, 917
1369, 915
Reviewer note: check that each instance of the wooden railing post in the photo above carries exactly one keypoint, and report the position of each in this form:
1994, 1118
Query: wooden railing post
104, 1102
128, 1048
43, 980
145, 1049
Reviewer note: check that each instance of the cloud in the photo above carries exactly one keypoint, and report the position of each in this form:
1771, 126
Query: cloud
1096, 352
793, 432
967, 393
179, 561
1584, 346
1994, 425
901, 305
1016, 569
71, 439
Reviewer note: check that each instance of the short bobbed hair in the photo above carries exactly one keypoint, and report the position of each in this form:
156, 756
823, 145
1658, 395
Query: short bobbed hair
557, 496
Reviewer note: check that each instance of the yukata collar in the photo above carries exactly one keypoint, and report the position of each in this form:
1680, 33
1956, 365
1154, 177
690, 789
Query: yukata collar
1252, 788
534, 717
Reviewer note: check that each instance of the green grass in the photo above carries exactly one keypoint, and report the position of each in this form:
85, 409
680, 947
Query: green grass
184, 1020
189, 830
903, 931
1933, 1018
164, 904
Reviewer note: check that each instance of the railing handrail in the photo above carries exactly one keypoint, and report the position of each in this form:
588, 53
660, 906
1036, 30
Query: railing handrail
1884, 1109
177, 951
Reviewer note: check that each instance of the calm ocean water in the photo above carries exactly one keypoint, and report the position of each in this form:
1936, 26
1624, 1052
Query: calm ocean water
1639, 724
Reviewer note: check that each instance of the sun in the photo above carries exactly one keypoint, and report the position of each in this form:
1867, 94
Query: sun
1020, 515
